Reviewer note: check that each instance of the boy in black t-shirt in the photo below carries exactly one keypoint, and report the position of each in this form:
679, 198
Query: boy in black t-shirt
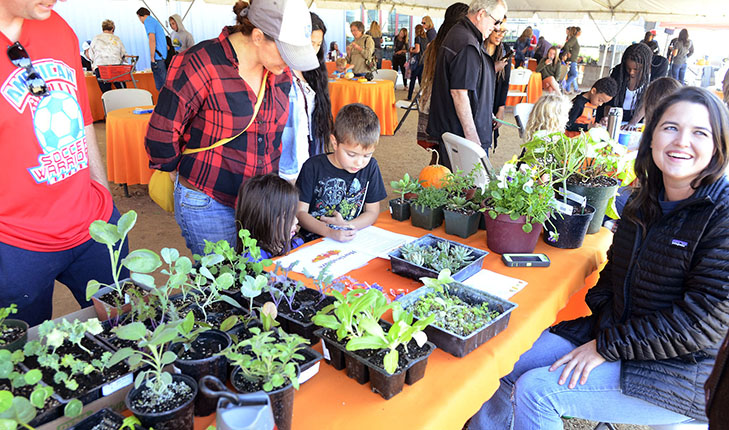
340, 192
582, 114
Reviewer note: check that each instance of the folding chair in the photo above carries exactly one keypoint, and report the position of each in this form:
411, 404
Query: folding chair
124, 98
119, 72
519, 77
408, 106
388, 74
466, 155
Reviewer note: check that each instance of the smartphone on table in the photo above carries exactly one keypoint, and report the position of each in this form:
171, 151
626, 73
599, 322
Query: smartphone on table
525, 260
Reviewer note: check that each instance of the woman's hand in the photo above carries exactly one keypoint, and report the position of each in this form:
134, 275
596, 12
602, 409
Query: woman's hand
580, 361
548, 61
500, 65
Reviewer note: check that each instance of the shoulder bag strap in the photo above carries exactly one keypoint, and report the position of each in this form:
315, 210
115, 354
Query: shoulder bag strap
221, 142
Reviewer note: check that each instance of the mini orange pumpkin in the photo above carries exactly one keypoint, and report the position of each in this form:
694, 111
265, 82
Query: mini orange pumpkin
434, 174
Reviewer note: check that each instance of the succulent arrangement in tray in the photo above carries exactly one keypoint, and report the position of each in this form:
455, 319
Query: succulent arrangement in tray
442, 255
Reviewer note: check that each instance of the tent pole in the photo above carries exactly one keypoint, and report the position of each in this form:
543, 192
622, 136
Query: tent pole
155, 17
604, 54
188, 10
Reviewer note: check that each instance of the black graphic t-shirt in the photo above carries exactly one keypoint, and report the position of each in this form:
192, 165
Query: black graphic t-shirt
328, 189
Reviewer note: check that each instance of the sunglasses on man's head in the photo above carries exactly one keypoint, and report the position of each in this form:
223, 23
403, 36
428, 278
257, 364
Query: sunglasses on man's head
497, 22
20, 58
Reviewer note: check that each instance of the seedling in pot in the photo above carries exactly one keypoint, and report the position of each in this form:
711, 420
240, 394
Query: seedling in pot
113, 236
431, 197
252, 287
208, 288
349, 309
405, 186
10, 370
5, 313
178, 268
280, 287
250, 253
460, 204
18, 411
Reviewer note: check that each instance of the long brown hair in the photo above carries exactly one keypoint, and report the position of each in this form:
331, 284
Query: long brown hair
649, 176
266, 207
243, 24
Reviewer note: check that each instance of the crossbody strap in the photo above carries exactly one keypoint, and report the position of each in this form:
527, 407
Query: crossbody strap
221, 142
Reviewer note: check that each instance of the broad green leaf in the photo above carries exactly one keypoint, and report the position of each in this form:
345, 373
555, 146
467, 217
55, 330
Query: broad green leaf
188, 323
24, 410
143, 279
6, 400
169, 255
166, 378
390, 361
134, 360
38, 397
168, 357
229, 323
8, 424
142, 261
139, 380
33, 376
225, 280
104, 233
365, 342
183, 265
206, 273
6, 368
92, 287
121, 355
125, 223
73, 408
132, 331
371, 327
164, 336
328, 321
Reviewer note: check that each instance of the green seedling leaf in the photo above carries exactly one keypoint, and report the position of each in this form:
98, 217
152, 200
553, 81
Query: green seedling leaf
365, 342
225, 280
24, 410
132, 331
6, 400
103, 232
168, 357
92, 287
169, 255
8, 424
229, 323
166, 378
125, 223
122, 355
165, 336
33, 376
38, 397
390, 361
73, 408
229, 300
141, 278
142, 261
6, 368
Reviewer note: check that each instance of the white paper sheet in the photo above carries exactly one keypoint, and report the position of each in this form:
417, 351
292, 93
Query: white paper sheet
375, 241
495, 283
313, 258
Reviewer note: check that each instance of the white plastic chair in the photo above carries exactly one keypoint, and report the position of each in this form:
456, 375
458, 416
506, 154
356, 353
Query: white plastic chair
521, 116
519, 77
389, 74
466, 155
124, 98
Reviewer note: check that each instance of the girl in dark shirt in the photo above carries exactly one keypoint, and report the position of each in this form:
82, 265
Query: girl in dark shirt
399, 57
502, 66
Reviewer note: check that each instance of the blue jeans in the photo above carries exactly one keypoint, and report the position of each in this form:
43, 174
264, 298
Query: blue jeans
159, 72
678, 72
538, 402
202, 218
572, 78
27, 277
415, 74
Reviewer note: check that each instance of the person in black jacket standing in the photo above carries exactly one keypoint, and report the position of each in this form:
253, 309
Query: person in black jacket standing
661, 306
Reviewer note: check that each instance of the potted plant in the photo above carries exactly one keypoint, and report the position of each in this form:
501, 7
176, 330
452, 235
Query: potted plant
429, 255
13, 333
110, 300
557, 158
461, 217
427, 209
160, 400
266, 362
463, 317
400, 208
518, 204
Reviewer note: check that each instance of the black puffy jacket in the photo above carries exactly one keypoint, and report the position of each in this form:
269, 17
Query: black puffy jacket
661, 304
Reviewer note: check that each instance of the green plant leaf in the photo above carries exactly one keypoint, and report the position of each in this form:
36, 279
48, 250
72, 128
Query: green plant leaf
38, 397
33, 376
142, 261
229, 300
73, 408
365, 342
92, 287
328, 321
169, 255
225, 280
6, 400
166, 378
125, 223
164, 336
24, 410
132, 331
103, 232
390, 361
6, 368
121, 355
8, 424
143, 279
168, 357
372, 327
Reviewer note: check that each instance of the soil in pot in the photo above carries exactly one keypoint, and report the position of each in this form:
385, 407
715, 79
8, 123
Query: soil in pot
598, 192
172, 411
216, 312
460, 222
105, 419
504, 235
14, 334
50, 410
571, 228
400, 211
282, 399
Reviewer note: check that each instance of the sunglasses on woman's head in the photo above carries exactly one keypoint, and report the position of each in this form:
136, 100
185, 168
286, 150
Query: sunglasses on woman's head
20, 58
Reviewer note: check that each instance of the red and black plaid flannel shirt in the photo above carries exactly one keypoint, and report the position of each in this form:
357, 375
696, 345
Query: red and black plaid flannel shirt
205, 100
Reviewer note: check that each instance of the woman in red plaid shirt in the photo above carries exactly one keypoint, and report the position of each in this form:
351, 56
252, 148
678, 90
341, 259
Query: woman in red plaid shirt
210, 94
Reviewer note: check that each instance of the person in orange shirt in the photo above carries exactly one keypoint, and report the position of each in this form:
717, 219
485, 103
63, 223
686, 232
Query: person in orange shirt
582, 114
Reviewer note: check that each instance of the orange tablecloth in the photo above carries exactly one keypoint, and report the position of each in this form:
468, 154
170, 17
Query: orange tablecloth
331, 67
378, 94
126, 158
533, 90
387, 64
145, 81
453, 388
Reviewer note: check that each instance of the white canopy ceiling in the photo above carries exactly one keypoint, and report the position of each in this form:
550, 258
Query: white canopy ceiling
685, 11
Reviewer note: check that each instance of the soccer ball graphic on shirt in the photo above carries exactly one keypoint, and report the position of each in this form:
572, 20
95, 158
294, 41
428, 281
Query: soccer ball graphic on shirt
58, 121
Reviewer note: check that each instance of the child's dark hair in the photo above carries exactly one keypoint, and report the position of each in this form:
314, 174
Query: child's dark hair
655, 92
266, 207
358, 124
607, 86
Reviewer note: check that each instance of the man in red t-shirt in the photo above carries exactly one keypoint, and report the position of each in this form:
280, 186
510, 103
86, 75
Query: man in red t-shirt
53, 179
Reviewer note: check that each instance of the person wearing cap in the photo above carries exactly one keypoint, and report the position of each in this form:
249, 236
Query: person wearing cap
648, 40
210, 95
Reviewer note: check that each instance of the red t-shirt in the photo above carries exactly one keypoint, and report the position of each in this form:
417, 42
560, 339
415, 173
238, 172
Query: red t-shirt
47, 197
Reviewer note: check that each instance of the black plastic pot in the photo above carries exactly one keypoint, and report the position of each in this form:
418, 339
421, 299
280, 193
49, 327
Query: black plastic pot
405, 268
179, 418
461, 224
571, 228
456, 344
425, 217
289, 324
400, 211
19, 342
598, 198
216, 365
282, 402
106, 416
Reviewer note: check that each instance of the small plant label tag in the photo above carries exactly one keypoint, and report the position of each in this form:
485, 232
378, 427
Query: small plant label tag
325, 351
562, 207
309, 373
117, 385
390, 207
126, 298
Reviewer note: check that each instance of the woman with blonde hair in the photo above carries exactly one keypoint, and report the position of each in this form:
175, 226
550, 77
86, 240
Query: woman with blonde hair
550, 114
429, 28
376, 33
521, 47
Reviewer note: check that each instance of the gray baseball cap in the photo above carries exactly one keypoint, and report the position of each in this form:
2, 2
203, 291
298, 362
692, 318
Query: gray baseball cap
289, 23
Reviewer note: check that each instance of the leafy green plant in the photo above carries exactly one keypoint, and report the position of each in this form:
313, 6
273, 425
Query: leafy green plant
208, 288
6, 312
404, 186
519, 192
267, 360
554, 155
254, 264
252, 287
113, 236
449, 311
431, 197
443, 255
401, 332
456, 184
19, 411
459, 203
177, 270
343, 315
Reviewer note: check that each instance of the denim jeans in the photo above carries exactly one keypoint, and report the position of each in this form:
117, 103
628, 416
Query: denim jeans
202, 218
415, 74
539, 402
159, 72
678, 72
27, 277
572, 78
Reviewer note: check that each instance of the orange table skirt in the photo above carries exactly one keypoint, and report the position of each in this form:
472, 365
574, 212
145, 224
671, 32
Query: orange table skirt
533, 90
387, 64
145, 81
126, 158
378, 94
331, 67
453, 389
